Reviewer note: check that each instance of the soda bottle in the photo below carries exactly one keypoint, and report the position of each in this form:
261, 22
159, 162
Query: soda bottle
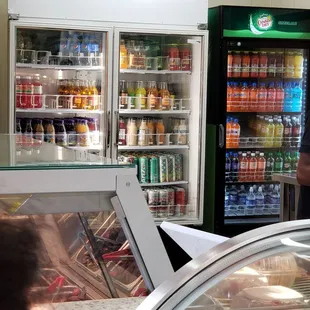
235, 133
263, 65
259, 201
297, 98
228, 167
288, 97
236, 70
164, 95
244, 97
278, 167
229, 97
123, 95
271, 98
287, 167
272, 64
235, 106
254, 65
288, 132
252, 168
278, 133
253, 106
298, 65
270, 130
235, 167
295, 160
243, 168
85, 60
141, 96
262, 98
228, 133
122, 132
245, 65
261, 167
250, 202
280, 65
296, 132
289, 65
229, 64
270, 166
279, 97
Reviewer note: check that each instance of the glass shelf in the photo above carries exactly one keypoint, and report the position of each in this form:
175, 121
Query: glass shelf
59, 67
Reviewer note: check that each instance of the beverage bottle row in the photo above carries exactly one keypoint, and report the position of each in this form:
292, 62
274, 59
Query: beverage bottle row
252, 200
147, 95
232, 133
82, 132
140, 55
155, 167
78, 94
256, 167
251, 97
265, 64
150, 132
277, 131
166, 201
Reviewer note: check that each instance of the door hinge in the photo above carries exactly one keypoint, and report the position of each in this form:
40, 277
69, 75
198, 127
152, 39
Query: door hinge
13, 16
202, 26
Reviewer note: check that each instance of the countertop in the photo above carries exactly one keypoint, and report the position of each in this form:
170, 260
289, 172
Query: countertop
289, 178
107, 304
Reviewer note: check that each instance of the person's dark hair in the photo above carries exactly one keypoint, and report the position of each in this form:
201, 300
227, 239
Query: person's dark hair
19, 245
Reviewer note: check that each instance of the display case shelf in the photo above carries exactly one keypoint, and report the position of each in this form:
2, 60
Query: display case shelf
165, 184
133, 71
59, 67
152, 147
263, 113
95, 148
60, 111
154, 112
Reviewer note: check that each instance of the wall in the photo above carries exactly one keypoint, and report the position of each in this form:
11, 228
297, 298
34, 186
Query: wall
297, 4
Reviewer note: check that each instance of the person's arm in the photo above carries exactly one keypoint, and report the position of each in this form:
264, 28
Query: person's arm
303, 169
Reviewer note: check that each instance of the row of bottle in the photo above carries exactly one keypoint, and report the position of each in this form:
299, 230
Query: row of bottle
256, 167
262, 64
250, 97
277, 131
252, 200
150, 132
147, 95
140, 55
82, 132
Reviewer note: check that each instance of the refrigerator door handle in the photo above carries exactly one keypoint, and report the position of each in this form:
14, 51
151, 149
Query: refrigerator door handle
221, 136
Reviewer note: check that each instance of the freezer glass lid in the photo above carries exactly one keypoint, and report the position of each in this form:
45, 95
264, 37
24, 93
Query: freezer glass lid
267, 268
19, 152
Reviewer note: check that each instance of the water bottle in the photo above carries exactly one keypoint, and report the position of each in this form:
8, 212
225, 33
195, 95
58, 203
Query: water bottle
288, 99
233, 200
228, 168
297, 98
255, 189
235, 167
275, 200
242, 200
260, 202
250, 202
226, 201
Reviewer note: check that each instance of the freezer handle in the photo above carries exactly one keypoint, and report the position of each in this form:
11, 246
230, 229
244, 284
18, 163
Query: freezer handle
221, 136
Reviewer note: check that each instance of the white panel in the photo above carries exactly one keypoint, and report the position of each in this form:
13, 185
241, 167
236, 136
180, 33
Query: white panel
169, 12
282, 3
302, 4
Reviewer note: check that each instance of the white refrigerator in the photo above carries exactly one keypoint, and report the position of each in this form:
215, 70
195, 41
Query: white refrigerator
127, 86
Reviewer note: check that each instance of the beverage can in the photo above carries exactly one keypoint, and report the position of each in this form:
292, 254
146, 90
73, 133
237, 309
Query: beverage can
154, 168
163, 169
178, 167
145, 194
171, 168
180, 201
154, 211
153, 197
144, 170
171, 201
163, 197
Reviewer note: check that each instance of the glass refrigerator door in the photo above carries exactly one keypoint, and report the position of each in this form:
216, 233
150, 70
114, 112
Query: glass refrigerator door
267, 268
159, 95
59, 89
266, 97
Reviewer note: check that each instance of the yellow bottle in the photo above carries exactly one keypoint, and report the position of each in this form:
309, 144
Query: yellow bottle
298, 65
270, 129
278, 133
123, 55
141, 96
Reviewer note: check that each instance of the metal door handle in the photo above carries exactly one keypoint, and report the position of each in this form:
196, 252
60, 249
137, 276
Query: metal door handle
221, 136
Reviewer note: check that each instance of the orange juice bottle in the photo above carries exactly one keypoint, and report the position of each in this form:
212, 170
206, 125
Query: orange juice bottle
123, 55
93, 96
244, 98
152, 96
229, 97
235, 133
160, 132
77, 100
84, 93
228, 133
164, 95
151, 131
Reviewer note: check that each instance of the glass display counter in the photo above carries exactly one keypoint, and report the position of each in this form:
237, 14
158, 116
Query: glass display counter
266, 269
92, 218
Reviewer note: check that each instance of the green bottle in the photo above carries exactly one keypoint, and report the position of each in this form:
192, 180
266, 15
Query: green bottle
287, 163
278, 167
269, 167
295, 160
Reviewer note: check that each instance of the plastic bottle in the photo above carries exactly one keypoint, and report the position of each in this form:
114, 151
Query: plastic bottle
61, 134
275, 200
297, 98
288, 132
278, 167
226, 201
245, 65
288, 99
278, 133
123, 55
132, 137
228, 168
270, 163
229, 97
250, 202
252, 168
287, 167
298, 65
295, 160
263, 65
270, 129
279, 97
271, 98
242, 196
268, 194
235, 106
233, 196
228, 133
254, 65
262, 98
236, 65
85, 53
253, 106
234, 167
229, 64
261, 167
235, 133
243, 168
296, 132
244, 98
259, 201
